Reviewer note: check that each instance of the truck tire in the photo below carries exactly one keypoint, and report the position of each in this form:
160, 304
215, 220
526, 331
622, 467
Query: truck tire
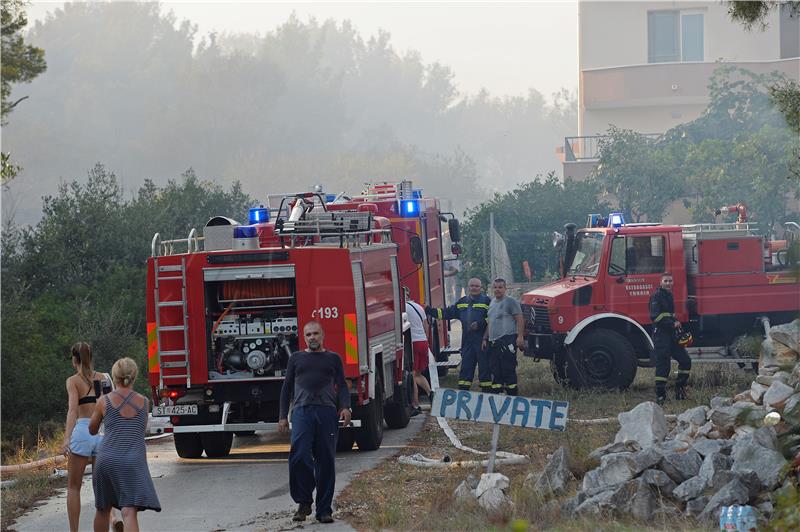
345, 440
188, 444
397, 412
601, 358
370, 435
217, 444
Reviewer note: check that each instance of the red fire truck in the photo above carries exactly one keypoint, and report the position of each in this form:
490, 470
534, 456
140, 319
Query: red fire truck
594, 324
224, 317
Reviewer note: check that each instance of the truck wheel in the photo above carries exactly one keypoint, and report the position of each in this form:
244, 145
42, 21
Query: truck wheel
345, 440
370, 435
397, 413
601, 358
188, 444
217, 444
558, 365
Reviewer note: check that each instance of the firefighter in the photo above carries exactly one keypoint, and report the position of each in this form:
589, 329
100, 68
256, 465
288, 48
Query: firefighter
665, 328
471, 310
504, 334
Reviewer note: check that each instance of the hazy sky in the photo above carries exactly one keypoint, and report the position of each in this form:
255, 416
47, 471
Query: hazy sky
505, 47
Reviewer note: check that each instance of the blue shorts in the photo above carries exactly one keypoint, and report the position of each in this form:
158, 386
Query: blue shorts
82, 443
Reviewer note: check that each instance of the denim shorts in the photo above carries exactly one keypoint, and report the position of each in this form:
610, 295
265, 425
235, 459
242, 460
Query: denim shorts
82, 443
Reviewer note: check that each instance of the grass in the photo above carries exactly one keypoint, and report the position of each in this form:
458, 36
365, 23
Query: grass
33, 485
403, 497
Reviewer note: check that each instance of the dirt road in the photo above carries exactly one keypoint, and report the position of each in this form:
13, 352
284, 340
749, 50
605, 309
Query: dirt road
249, 490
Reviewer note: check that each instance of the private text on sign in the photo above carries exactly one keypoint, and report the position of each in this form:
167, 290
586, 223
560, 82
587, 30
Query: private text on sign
502, 409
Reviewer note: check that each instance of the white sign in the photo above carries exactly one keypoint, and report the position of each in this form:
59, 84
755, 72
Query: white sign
502, 409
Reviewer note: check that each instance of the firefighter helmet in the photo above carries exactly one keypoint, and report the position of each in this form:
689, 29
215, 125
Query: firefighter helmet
685, 338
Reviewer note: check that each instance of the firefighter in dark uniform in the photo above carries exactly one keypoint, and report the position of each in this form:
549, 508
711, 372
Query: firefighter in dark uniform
471, 310
665, 329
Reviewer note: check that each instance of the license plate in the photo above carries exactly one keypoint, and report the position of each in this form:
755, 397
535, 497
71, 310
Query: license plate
175, 410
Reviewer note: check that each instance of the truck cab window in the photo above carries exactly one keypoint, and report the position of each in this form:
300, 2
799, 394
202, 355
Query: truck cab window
644, 254
589, 248
616, 265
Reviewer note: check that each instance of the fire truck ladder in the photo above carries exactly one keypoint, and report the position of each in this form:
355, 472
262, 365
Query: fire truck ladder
177, 358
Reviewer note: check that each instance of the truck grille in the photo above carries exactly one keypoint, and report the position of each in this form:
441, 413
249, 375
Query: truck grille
537, 319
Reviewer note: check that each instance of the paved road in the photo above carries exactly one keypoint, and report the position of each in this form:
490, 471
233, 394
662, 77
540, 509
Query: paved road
249, 490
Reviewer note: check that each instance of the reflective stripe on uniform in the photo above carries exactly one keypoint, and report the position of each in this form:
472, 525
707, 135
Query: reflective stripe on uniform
497, 386
484, 384
439, 314
662, 316
468, 383
480, 305
684, 371
511, 386
461, 305
662, 379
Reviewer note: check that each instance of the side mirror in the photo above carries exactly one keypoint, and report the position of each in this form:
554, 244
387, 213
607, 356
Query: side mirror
455, 230
415, 244
455, 248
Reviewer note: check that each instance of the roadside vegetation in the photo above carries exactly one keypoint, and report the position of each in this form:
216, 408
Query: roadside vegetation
32, 485
404, 497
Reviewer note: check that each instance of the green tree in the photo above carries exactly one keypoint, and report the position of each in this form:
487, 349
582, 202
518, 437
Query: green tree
639, 172
739, 149
526, 218
21, 63
754, 13
80, 274
785, 94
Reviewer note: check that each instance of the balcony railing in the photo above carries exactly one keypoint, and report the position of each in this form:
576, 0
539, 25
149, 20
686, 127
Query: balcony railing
587, 148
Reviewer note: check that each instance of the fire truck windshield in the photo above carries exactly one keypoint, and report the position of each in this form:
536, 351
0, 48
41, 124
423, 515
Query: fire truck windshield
588, 251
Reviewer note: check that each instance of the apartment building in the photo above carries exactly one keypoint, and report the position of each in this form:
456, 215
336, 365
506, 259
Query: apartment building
646, 65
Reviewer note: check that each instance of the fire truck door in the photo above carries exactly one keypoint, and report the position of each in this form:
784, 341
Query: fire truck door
634, 271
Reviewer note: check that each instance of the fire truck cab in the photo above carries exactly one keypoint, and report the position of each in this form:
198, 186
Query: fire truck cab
594, 323
225, 316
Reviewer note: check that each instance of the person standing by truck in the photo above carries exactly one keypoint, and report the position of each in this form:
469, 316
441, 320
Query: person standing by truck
316, 389
471, 310
504, 334
665, 326
419, 351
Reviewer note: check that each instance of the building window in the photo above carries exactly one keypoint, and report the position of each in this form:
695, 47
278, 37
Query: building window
674, 36
790, 32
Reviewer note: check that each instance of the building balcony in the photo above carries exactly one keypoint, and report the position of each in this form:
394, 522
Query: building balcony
664, 84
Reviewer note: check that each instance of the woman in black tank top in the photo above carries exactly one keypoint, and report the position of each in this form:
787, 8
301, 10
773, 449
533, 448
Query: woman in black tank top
83, 390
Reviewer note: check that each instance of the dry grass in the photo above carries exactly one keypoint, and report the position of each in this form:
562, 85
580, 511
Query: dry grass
31, 486
401, 497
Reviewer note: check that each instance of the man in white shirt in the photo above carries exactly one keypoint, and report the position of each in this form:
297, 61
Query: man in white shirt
419, 342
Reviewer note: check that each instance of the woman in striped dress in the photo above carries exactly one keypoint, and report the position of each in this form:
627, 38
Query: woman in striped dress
122, 479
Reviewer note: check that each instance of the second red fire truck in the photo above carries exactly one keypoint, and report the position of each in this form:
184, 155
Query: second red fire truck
224, 317
594, 324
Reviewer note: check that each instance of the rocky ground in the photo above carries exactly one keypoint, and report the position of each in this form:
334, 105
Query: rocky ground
735, 451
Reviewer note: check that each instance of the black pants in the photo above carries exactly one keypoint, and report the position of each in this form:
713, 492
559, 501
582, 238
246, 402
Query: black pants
313, 455
667, 348
503, 360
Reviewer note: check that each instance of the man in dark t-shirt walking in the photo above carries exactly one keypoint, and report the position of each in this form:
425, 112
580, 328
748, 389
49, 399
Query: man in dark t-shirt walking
318, 393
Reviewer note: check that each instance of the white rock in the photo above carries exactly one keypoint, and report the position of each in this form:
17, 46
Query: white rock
491, 480
757, 391
645, 424
463, 492
777, 393
696, 416
494, 500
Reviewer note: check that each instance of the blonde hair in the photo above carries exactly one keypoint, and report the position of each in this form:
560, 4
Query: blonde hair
124, 371
82, 352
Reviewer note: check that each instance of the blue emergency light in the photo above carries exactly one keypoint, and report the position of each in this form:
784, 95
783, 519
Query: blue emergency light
258, 215
616, 219
409, 208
